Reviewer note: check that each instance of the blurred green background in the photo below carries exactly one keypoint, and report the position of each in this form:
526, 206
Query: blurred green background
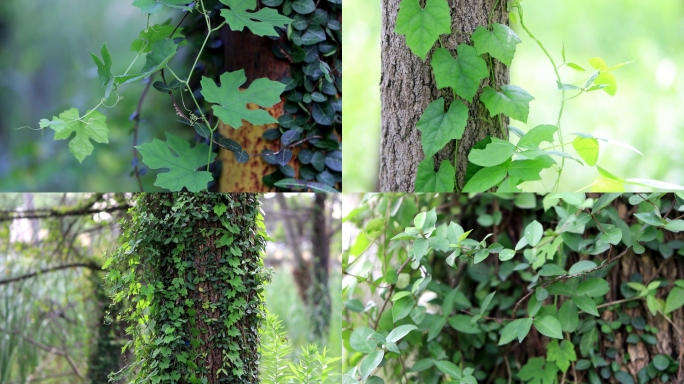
45, 68
645, 112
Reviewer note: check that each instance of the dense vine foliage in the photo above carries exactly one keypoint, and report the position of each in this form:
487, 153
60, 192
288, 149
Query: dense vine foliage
492, 162
314, 98
189, 268
524, 288
313, 93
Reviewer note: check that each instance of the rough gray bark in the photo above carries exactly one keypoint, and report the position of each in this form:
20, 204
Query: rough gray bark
408, 86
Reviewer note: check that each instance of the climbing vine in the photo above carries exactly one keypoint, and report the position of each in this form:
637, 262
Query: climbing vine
494, 163
190, 166
515, 288
189, 268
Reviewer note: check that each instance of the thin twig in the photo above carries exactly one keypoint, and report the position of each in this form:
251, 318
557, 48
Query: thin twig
567, 277
50, 269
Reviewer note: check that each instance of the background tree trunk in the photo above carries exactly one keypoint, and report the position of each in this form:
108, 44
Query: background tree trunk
408, 86
321, 256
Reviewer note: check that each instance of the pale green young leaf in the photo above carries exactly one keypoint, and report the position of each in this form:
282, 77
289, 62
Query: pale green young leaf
512, 101
422, 26
427, 180
586, 304
261, 22
438, 128
533, 233
485, 178
535, 136
562, 354
462, 74
499, 43
675, 225
231, 102
91, 127
653, 305
495, 153
371, 362
509, 185
675, 299
587, 148
182, 163
655, 184
548, 326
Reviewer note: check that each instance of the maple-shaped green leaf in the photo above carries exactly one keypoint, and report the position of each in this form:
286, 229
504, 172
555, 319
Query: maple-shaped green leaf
261, 23
438, 128
512, 101
91, 127
422, 26
463, 74
427, 180
153, 6
231, 108
536, 373
495, 153
499, 43
562, 354
162, 52
104, 69
152, 34
182, 164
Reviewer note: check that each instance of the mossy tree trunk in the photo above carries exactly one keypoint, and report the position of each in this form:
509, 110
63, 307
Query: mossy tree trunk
408, 86
204, 259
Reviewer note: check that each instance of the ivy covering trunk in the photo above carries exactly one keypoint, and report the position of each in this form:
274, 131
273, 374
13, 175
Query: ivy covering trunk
190, 268
408, 86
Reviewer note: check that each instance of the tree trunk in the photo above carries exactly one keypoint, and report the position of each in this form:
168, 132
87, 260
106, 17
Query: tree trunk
408, 86
212, 327
244, 50
320, 299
